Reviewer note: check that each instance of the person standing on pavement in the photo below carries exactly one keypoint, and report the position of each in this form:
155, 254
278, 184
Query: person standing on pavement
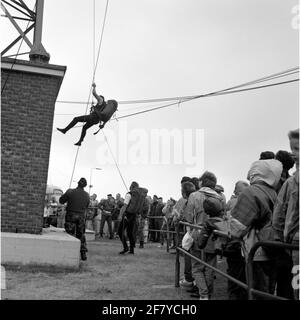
77, 203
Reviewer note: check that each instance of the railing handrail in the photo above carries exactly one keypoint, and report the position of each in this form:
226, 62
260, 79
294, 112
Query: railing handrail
249, 262
195, 226
240, 283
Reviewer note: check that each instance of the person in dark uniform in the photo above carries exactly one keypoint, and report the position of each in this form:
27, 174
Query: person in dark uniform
77, 203
116, 212
133, 205
158, 222
151, 220
100, 113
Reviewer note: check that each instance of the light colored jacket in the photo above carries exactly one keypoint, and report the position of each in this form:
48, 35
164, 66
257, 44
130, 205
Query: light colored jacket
194, 212
178, 209
286, 213
231, 203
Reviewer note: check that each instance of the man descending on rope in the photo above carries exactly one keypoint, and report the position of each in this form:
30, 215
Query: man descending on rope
100, 113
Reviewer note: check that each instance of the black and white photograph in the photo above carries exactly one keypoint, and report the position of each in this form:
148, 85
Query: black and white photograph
149, 153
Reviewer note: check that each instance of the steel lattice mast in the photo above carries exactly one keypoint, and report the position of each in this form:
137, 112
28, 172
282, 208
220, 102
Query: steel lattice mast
16, 10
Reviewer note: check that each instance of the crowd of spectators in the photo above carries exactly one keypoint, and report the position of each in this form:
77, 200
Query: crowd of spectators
266, 207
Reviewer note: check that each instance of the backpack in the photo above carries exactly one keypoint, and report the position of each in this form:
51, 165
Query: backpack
136, 203
110, 108
215, 204
266, 232
224, 245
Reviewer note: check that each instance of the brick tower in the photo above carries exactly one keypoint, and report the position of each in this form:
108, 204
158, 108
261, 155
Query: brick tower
30, 89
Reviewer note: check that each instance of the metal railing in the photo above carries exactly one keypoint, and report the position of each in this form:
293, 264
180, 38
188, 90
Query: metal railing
249, 266
168, 231
248, 263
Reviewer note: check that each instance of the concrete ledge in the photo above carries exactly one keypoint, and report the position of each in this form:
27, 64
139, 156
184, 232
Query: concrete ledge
33, 67
90, 235
52, 248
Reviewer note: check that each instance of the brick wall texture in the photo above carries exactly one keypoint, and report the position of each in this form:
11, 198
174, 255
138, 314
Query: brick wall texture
27, 111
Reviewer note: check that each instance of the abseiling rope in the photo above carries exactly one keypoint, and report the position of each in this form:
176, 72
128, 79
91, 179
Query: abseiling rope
219, 92
267, 78
115, 161
94, 72
206, 96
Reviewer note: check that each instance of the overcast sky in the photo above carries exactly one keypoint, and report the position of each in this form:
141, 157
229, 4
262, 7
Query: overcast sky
169, 48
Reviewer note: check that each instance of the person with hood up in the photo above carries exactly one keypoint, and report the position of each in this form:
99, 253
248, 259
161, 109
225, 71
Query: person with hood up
252, 212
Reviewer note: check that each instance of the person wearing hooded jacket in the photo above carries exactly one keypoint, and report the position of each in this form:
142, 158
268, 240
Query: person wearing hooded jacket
252, 212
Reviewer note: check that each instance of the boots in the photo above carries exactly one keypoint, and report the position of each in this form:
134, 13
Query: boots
61, 130
123, 251
83, 255
131, 250
78, 143
141, 244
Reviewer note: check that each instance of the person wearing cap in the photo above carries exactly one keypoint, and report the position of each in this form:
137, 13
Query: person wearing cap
77, 203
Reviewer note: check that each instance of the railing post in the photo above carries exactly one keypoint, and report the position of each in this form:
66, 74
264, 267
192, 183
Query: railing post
177, 261
248, 271
168, 236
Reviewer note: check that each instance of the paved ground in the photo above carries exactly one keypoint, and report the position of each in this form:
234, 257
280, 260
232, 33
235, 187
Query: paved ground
147, 275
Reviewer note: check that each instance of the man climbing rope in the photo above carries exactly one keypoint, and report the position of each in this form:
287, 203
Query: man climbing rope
100, 113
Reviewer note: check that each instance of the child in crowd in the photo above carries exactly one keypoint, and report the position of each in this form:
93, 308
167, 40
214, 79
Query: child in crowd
214, 209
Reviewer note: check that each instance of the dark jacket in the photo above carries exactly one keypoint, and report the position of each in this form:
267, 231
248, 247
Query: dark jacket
116, 212
77, 200
98, 108
153, 208
107, 206
158, 210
